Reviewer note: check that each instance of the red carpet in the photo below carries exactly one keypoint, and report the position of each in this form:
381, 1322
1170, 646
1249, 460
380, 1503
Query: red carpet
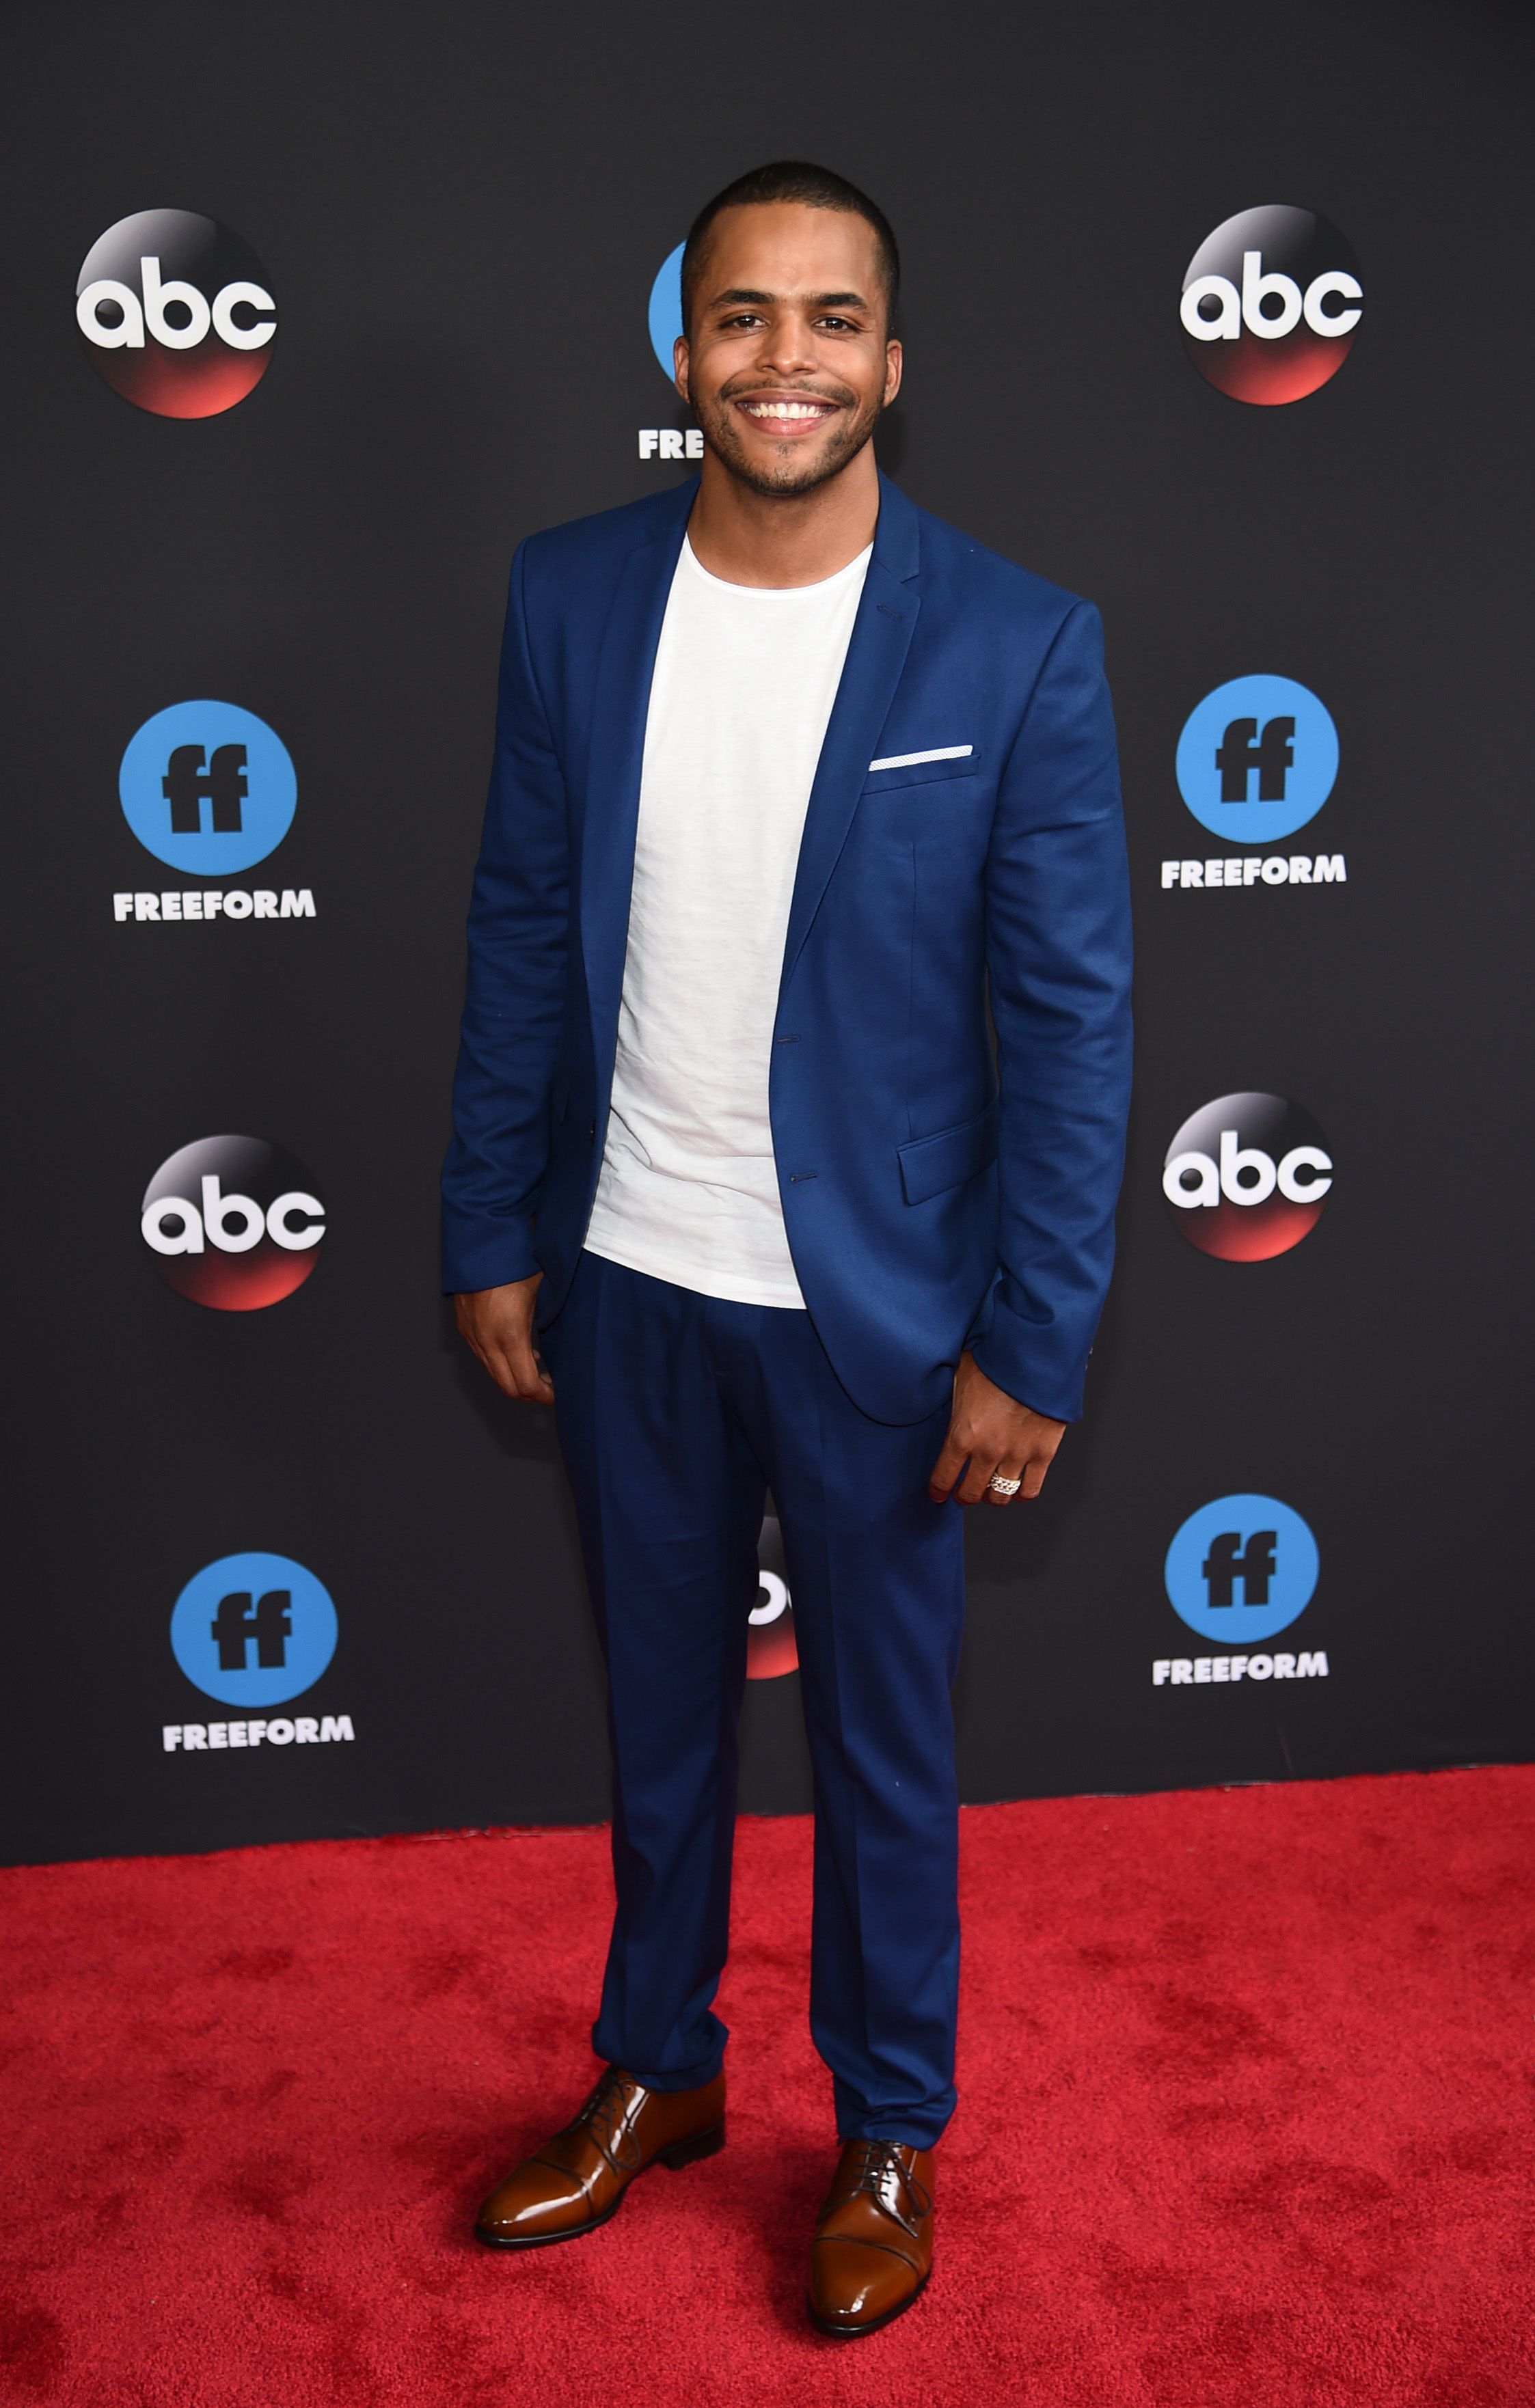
1246, 2087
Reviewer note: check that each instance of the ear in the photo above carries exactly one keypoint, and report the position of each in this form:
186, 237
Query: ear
679, 367
894, 358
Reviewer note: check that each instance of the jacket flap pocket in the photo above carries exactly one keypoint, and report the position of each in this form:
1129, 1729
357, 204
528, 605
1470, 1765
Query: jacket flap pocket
888, 771
930, 1164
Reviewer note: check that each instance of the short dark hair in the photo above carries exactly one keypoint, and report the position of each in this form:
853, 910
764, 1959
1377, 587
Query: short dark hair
792, 179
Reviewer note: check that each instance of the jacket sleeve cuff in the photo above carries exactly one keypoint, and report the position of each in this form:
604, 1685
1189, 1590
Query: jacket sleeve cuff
475, 1256
1022, 1373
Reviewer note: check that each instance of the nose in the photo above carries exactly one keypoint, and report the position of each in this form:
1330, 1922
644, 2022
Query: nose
788, 345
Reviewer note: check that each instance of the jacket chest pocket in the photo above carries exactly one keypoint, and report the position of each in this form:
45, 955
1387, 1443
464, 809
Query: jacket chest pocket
893, 773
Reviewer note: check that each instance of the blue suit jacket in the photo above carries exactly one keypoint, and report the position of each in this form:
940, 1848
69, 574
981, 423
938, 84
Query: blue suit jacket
934, 1191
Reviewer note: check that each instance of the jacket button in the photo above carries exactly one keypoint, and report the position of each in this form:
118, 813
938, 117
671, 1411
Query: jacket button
590, 1132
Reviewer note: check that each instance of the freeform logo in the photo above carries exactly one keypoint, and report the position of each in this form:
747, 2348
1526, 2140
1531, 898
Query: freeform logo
213, 903
665, 310
1271, 303
771, 1648
282, 1731
207, 788
665, 325
176, 313
1246, 1176
1241, 1570
1247, 869
233, 1222
1257, 758
253, 1630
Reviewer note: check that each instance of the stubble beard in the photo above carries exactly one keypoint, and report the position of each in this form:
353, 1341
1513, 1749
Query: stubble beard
795, 476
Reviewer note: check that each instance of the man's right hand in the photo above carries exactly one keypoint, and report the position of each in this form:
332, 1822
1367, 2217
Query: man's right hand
498, 1324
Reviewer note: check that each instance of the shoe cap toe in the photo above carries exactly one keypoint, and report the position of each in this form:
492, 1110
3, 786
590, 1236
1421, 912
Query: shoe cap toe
853, 2282
534, 2199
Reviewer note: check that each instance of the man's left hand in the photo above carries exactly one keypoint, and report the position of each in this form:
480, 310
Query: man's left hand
990, 1431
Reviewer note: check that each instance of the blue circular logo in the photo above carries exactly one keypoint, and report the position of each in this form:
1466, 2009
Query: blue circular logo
666, 309
253, 1630
1242, 1569
207, 788
1257, 759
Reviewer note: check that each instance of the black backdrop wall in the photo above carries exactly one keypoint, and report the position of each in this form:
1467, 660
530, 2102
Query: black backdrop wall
458, 214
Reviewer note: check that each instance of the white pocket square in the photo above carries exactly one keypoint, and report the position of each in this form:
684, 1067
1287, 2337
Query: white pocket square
913, 760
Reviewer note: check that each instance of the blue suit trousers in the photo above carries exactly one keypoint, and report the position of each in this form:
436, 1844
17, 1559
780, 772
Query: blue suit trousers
676, 1412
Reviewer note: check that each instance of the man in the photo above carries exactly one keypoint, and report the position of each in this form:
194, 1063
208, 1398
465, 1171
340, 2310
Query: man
790, 780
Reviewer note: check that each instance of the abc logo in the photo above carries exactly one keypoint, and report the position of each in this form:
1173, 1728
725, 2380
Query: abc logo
1271, 303
1247, 1177
771, 1647
253, 1630
176, 314
207, 788
1257, 759
665, 310
233, 1222
1241, 1570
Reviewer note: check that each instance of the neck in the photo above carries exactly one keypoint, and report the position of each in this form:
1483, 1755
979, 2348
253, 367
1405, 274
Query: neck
751, 539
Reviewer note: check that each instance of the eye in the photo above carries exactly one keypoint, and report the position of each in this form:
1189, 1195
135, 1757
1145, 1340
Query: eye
838, 326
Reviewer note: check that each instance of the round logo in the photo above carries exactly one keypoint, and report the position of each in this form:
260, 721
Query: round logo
1257, 759
1242, 1569
666, 313
1246, 1176
253, 1630
1271, 303
233, 1222
207, 787
175, 313
772, 1649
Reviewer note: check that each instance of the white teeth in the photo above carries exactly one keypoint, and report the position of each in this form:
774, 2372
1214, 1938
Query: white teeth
781, 409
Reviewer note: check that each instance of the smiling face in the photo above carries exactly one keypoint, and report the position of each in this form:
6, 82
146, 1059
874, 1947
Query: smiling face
786, 362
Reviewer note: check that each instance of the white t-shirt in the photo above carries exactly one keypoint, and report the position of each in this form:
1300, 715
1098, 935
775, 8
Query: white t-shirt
745, 679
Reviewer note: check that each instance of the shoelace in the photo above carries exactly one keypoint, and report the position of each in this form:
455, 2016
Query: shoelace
882, 2171
603, 2116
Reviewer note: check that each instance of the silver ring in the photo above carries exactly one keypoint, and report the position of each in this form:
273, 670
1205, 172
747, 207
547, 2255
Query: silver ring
1004, 1487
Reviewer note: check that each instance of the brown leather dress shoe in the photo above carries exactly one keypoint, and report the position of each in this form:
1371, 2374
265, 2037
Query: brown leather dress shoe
579, 2178
873, 2245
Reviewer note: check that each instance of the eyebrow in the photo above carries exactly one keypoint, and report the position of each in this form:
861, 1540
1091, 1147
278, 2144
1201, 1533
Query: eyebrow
818, 300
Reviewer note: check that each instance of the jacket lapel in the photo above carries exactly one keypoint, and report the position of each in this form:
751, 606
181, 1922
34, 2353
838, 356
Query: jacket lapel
881, 638
625, 666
